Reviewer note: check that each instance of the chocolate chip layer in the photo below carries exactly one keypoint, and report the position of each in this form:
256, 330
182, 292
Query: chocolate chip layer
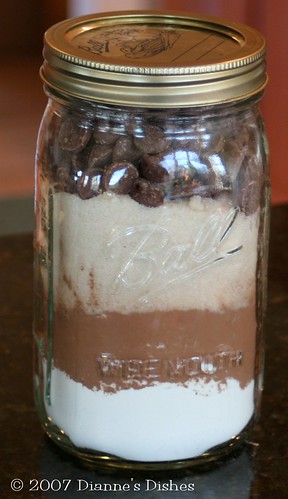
171, 157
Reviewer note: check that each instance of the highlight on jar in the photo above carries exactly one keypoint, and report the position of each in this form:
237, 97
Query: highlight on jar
151, 208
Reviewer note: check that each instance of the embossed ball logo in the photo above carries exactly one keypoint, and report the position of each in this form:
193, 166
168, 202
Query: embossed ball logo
173, 261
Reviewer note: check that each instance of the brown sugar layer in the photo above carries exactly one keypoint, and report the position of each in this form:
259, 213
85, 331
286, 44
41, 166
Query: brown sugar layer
117, 351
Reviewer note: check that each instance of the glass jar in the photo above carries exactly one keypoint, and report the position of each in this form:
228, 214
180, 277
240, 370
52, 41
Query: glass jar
151, 238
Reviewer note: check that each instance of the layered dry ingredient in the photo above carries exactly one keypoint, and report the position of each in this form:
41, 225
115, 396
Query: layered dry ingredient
155, 229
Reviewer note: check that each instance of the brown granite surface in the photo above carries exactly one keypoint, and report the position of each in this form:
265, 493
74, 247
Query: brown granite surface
258, 471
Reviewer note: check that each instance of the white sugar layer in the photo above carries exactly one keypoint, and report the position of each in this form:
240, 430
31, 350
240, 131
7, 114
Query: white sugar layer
162, 422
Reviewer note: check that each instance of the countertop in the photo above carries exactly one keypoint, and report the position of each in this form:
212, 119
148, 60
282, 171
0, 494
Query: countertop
258, 470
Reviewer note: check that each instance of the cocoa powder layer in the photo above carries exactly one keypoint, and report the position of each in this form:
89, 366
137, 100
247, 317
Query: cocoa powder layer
117, 351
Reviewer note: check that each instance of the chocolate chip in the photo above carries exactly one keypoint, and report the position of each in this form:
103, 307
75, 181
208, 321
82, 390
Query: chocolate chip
152, 141
89, 183
119, 177
146, 193
246, 191
74, 135
105, 138
125, 150
234, 151
188, 144
79, 160
99, 156
152, 169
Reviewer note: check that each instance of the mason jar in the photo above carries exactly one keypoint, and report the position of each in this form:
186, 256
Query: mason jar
152, 200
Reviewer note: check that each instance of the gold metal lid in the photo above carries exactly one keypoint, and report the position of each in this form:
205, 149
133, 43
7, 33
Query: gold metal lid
154, 59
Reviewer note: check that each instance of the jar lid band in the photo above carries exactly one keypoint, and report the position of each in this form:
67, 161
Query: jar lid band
154, 59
